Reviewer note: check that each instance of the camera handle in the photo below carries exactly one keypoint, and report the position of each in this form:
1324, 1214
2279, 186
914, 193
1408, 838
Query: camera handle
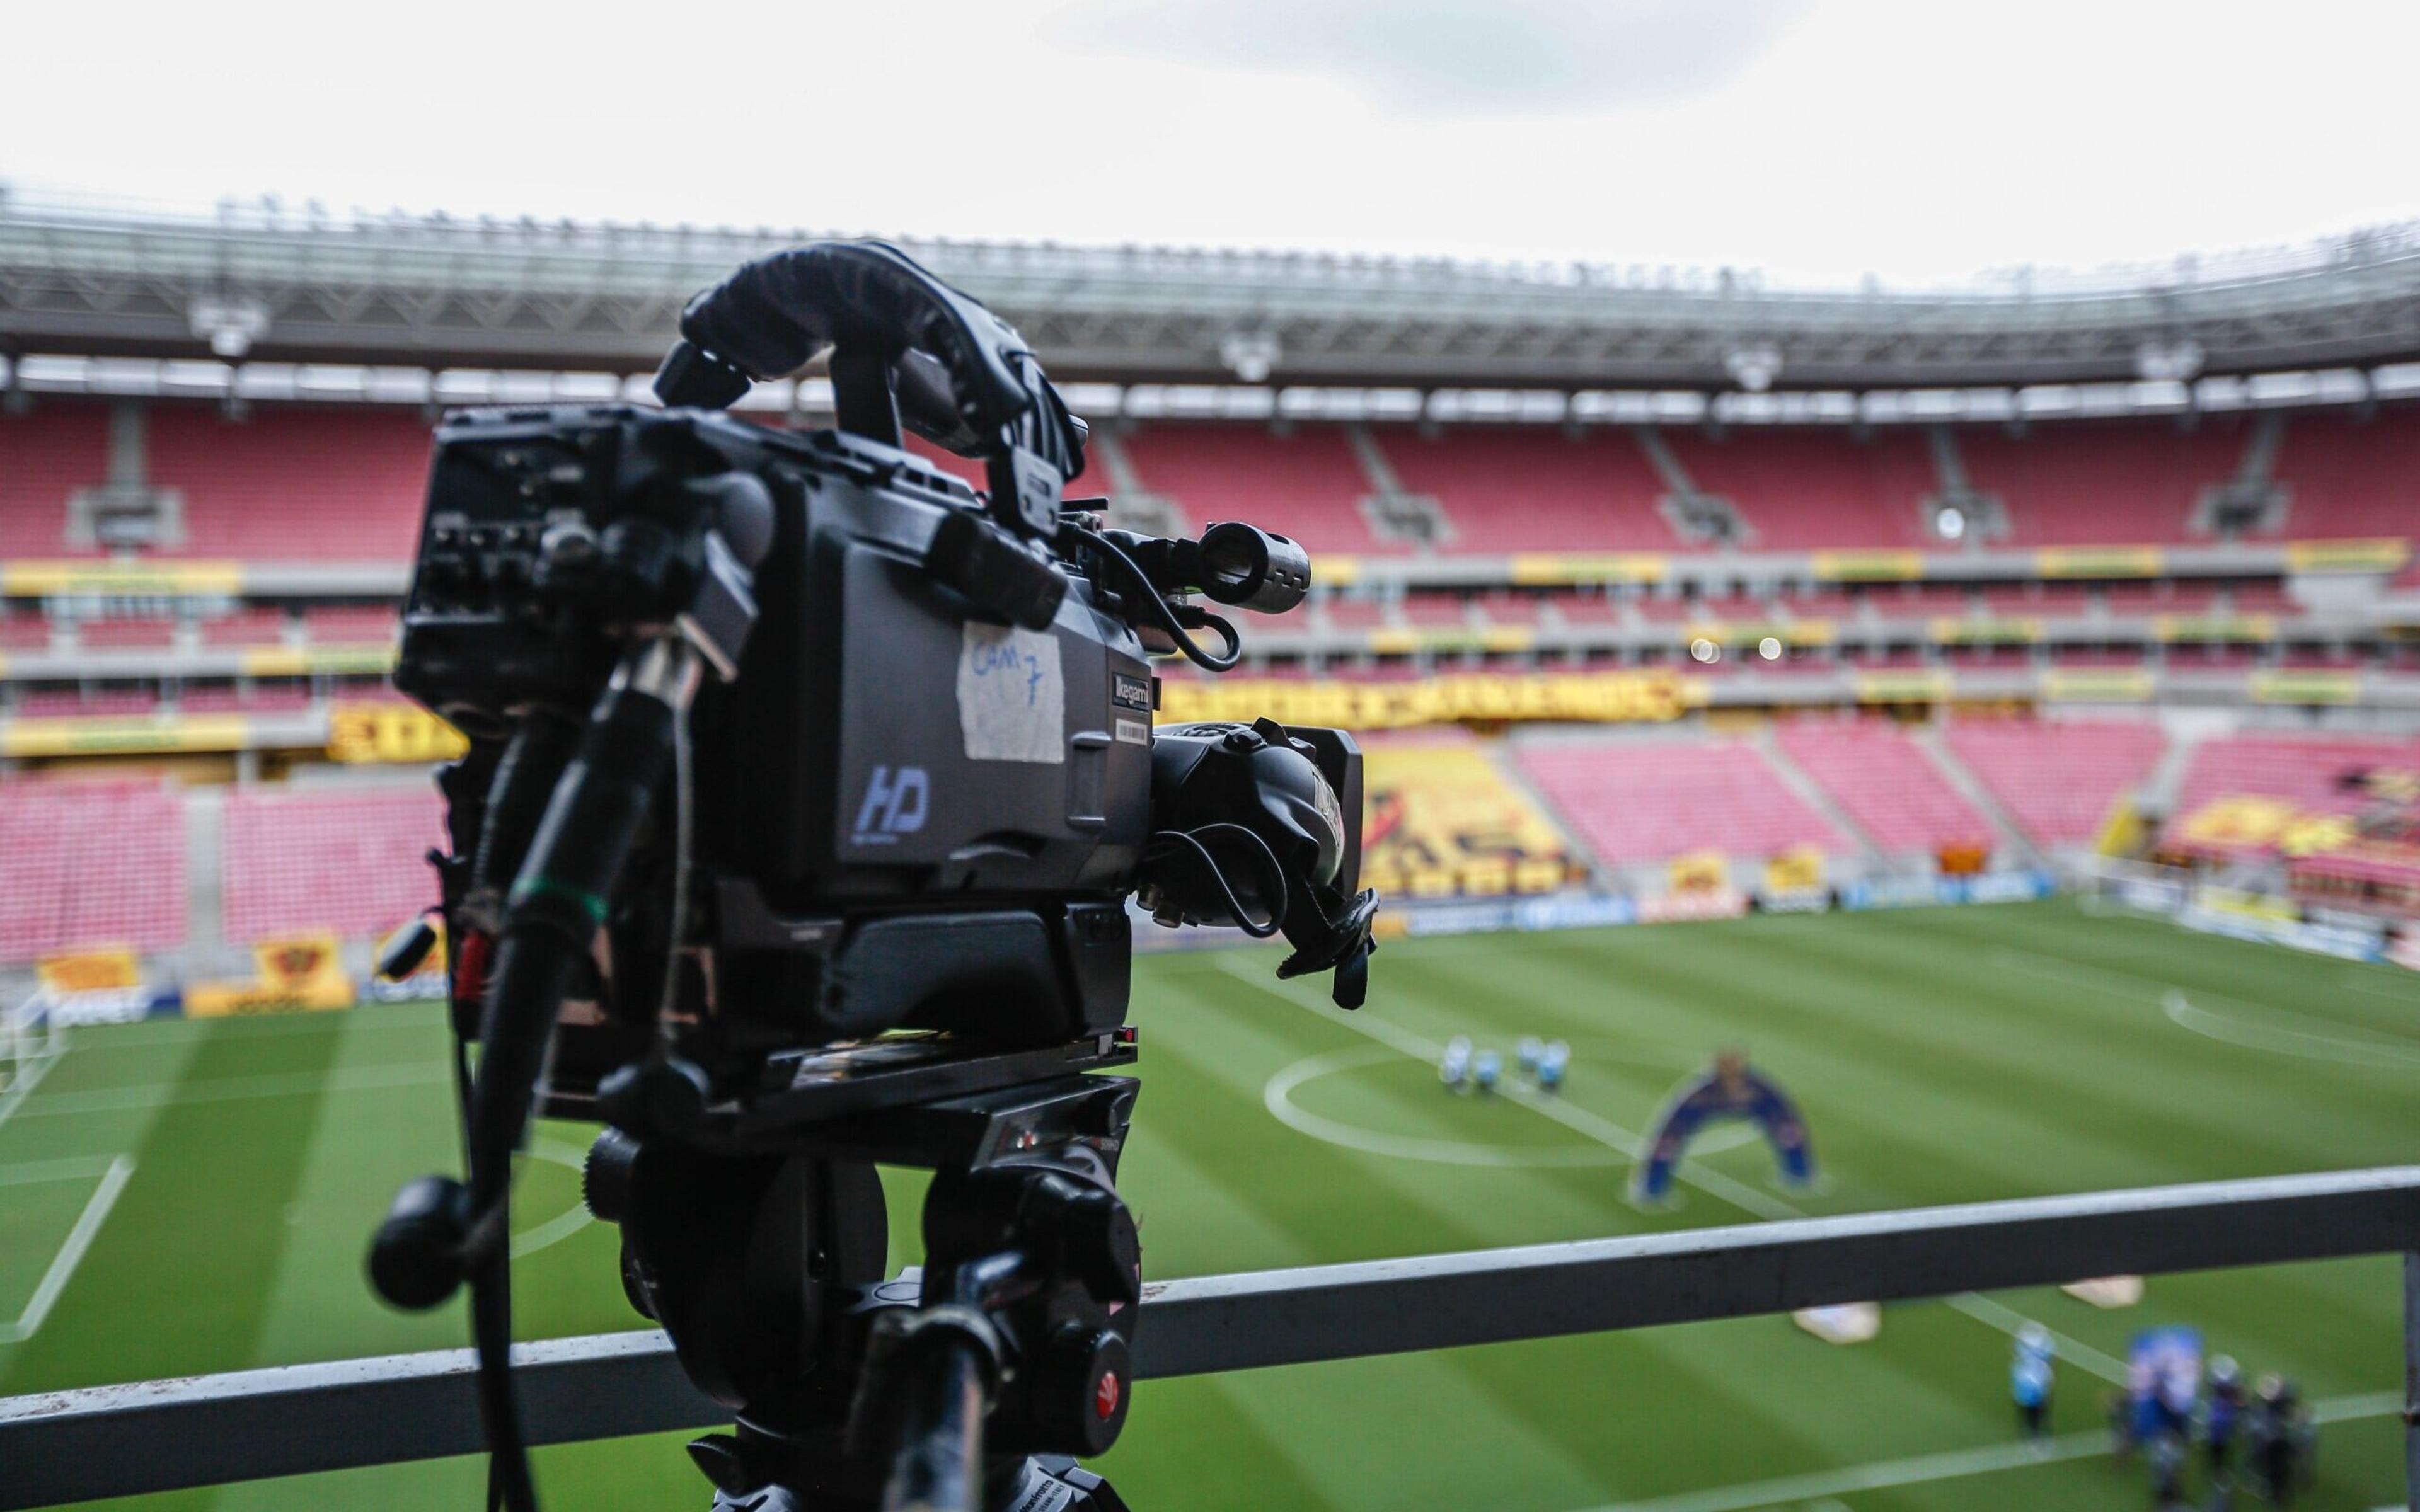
903, 343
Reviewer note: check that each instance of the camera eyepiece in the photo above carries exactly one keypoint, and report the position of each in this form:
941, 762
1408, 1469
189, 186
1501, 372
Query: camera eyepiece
1253, 568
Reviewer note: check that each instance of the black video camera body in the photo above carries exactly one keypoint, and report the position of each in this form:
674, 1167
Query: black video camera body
921, 780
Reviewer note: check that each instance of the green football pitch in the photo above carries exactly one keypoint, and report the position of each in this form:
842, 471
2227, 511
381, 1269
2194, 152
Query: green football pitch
180, 1196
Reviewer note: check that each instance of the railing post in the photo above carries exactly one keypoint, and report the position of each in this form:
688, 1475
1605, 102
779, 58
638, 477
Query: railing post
2411, 1380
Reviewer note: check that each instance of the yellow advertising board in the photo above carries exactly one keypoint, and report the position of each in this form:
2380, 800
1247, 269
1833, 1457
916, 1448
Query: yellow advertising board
1399, 640
1572, 569
1440, 821
2100, 562
2304, 685
1949, 630
2100, 684
1698, 872
1868, 566
2377, 555
302, 974
90, 971
143, 579
133, 735
1795, 870
1915, 686
1335, 572
2232, 628
1593, 697
1747, 633
391, 733
300, 661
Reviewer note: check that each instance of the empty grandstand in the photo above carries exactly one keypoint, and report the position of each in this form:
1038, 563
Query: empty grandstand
1886, 625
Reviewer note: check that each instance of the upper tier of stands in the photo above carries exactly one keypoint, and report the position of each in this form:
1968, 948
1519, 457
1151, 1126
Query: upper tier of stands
1634, 802
1800, 490
344, 483
322, 482
2107, 481
1884, 784
2058, 780
1518, 489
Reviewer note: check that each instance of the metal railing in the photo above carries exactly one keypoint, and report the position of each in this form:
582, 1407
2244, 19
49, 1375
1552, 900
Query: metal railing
163, 1435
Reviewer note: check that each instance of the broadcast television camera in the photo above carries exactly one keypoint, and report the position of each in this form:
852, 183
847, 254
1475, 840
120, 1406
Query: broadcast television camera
806, 791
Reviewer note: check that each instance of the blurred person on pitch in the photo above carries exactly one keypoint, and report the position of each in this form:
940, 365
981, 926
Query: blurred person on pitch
2284, 1441
2031, 1375
2224, 1417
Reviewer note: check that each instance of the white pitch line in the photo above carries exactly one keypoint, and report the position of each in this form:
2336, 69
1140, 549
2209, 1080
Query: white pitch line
2275, 1038
238, 1088
70, 1255
175, 1033
1713, 1184
2185, 1014
1277, 1097
70, 1168
1950, 1465
570, 1220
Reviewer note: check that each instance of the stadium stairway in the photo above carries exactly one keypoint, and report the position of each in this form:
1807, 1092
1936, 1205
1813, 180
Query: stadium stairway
1810, 791
205, 887
1961, 779
2157, 798
1576, 841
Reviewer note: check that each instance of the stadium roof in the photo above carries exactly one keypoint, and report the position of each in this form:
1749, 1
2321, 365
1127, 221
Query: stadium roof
282, 285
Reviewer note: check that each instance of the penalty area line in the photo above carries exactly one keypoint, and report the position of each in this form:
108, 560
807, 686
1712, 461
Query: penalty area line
71, 1252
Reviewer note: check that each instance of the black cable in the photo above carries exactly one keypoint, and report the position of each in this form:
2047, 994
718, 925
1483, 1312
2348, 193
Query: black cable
1272, 881
1071, 538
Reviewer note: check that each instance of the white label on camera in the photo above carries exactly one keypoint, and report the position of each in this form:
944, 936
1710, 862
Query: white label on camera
1134, 731
1012, 701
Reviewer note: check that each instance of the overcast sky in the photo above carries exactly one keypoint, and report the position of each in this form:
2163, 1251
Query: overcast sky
1920, 142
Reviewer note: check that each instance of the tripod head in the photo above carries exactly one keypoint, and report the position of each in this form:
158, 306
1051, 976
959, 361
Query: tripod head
962, 1385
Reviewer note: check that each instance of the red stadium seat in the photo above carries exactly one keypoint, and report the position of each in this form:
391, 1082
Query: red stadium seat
2058, 780
348, 861
91, 864
2101, 482
1648, 801
1809, 489
1534, 489
1885, 783
1306, 483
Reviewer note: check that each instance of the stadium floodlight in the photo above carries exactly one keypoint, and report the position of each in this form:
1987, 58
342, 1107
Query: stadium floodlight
1753, 368
232, 327
1250, 355
2174, 362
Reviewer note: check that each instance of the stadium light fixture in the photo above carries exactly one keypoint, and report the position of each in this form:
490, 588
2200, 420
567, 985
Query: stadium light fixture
1250, 355
1753, 368
1769, 648
232, 327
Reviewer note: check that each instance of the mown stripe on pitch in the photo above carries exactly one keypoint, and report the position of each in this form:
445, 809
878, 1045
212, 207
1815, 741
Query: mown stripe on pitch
178, 1283
2034, 1056
2313, 1112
